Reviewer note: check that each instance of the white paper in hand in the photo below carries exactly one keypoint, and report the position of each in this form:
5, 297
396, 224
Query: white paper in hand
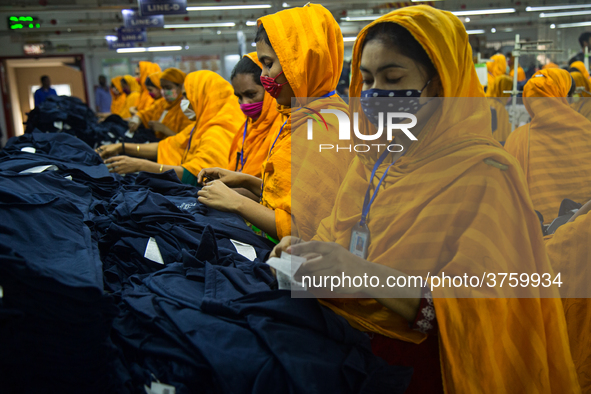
286, 267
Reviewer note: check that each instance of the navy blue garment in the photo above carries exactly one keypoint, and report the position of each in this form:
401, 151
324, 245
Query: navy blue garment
222, 329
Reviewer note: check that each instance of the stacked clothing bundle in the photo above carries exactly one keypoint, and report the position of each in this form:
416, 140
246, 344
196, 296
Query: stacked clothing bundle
70, 115
121, 281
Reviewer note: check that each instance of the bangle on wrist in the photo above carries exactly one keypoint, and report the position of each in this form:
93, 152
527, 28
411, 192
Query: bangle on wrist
138, 148
161, 167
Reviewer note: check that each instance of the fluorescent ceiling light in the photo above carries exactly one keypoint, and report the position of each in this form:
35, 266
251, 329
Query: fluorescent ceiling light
557, 7
569, 13
360, 18
163, 49
578, 24
251, 23
349, 39
111, 38
229, 7
552, 26
253, 44
131, 50
478, 31
484, 12
285, 5
198, 25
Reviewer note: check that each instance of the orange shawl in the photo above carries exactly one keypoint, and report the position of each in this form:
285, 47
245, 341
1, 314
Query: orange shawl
582, 101
259, 135
117, 102
554, 150
520, 74
174, 118
146, 68
309, 45
498, 101
132, 97
444, 209
218, 112
579, 65
498, 66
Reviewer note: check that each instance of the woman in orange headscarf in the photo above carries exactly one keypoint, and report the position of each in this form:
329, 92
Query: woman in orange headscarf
145, 100
497, 101
203, 144
294, 195
132, 90
497, 66
118, 101
252, 141
454, 203
554, 149
520, 74
164, 116
580, 67
582, 97
549, 65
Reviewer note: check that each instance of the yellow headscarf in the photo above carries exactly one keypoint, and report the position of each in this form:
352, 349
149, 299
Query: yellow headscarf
176, 76
579, 65
520, 74
155, 79
206, 143
453, 199
132, 98
146, 68
259, 135
309, 45
550, 65
498, 100
117, 102
497, 67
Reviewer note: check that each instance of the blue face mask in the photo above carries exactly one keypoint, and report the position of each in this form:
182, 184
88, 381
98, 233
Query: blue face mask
399, 101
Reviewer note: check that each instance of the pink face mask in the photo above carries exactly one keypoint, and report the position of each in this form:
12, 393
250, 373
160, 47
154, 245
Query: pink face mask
271, 86
153, 95
252, 110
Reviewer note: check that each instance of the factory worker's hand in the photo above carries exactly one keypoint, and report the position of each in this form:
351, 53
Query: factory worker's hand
124, 164
219, 196
107, 151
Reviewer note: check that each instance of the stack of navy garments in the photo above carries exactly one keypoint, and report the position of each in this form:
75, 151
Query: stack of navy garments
70, 115
111, 283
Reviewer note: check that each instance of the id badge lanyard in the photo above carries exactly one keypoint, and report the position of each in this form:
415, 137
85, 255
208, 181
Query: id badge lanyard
276, 138
360, 232
189, 145
242, 158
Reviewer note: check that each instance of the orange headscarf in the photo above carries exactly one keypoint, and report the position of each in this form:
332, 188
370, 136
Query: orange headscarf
132, 98
582, 101
312, 67
259, 135
206, 143
117, 102
498, 101
550, 65
520, 74
498, 66
146, 68
579, 65
554, 149
453, 202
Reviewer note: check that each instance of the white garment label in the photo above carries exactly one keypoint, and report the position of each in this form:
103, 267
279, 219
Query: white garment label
163, 116
129, 134
110, 134
67, 127
38, 169
58, 125
1, 292
69, 177
159, 388
29, 149
245, 250
153, 252
286, 267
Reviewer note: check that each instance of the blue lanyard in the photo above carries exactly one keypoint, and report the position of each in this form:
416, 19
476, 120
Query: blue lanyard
276, 138
189, 145
367, 201
242, 150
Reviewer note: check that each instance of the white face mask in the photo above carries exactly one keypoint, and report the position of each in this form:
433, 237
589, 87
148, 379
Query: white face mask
189, 113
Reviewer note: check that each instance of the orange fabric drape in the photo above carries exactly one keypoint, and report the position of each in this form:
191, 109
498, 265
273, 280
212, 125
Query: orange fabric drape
146, 68
313, 67
132, 98
259, 135
498, 66
117, 102
218, 112
550, 65
443, 208
579, 65
498, 100
554, 150
520, 74
582, 101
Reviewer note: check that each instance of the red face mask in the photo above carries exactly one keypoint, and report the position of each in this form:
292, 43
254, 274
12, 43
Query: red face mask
271, 86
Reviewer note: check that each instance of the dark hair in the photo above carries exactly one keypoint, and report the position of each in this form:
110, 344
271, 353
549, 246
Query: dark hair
247, 66
149, 83
124, 82
397, 36
262, 36
584, 37
44, 77
573, 87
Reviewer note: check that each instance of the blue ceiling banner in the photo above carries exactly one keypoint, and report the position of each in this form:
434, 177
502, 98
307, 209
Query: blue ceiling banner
134, 19
114, 44
162, 7
125, 34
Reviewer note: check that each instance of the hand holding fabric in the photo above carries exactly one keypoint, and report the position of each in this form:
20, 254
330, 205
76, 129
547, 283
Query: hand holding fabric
124, 164
229, 178
285, 243
107, 151
219, 196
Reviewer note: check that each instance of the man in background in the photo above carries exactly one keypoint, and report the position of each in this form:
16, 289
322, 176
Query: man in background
103, 96
44, 91
585, 41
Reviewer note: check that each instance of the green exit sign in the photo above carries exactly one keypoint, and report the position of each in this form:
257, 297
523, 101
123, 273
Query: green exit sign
23, 23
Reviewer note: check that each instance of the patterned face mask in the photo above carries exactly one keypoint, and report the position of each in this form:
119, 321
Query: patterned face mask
399, 101
272, 86
170, 95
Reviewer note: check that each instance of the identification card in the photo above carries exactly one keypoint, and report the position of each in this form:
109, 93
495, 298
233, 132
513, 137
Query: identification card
359, 240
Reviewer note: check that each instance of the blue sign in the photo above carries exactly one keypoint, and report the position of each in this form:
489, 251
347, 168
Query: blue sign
114, 44
163, 7
133, 19
131, 35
